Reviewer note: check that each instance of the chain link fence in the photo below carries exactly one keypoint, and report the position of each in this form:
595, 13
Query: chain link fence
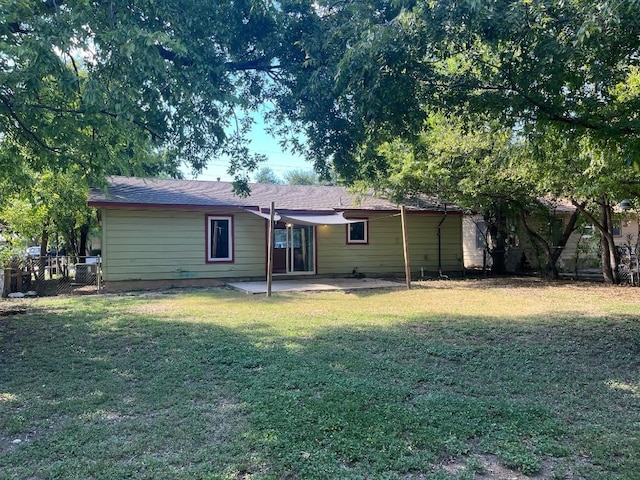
629, 267
60, 275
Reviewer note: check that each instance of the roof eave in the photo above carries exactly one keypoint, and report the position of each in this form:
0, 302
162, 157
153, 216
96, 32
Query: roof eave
164, 206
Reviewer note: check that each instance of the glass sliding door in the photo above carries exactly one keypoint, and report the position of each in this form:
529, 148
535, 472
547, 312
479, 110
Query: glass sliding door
294, 249
302, 249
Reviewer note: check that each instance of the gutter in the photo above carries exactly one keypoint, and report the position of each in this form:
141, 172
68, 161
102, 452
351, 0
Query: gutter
444, 217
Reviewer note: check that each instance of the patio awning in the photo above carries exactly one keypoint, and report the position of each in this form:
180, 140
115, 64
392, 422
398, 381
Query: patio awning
326, 219
266, 216
318, 219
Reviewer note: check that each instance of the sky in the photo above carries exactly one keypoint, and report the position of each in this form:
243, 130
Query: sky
279, 161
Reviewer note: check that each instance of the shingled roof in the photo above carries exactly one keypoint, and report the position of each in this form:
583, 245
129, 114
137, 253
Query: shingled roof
163, 193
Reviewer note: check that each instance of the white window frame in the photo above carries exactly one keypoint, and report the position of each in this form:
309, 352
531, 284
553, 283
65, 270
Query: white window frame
229, 257
365, 241
481, 234
616, 225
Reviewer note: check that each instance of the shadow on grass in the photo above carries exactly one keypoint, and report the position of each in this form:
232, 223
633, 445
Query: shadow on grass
532, 282
100, 392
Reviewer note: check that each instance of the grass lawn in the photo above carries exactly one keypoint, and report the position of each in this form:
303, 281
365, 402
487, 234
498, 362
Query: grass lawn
461, 380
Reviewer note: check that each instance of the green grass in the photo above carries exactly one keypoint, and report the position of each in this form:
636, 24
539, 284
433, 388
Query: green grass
434, 383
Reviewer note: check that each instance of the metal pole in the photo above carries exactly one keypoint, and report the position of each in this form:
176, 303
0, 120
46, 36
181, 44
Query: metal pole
405, 246
270, 250
99, 274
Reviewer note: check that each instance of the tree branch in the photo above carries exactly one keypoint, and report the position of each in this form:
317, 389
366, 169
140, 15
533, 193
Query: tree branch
567, 120
15, 27
75, 69
262, 64
532, 233
179, 60
106, 113
30, 133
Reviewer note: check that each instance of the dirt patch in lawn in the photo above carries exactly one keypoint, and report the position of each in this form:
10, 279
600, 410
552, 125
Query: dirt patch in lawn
488, 467
8, 308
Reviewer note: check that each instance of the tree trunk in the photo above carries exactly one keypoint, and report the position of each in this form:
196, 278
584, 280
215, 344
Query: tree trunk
498, 247
637, 249
610, 260
552, 269
84, 235
552, 252
562, 243
609, 252
605, 257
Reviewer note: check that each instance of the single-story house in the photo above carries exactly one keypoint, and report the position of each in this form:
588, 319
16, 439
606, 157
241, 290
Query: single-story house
158, 232
581, 250
519, 243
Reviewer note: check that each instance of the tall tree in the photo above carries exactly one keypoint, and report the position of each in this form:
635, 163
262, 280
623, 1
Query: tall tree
267, 175
593, 174
373, 71
371, 68
543, 224
88, 83
471, 166
301, 177
53, 206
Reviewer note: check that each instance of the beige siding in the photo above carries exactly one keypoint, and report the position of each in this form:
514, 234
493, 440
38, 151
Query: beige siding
537, 259
383, 254
162, 244
568, 255
629, 229
473, 256
586, 257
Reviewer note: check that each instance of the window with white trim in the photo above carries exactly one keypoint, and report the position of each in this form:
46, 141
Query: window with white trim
358, 232
219, 238
481, 235
616, 228
587, 230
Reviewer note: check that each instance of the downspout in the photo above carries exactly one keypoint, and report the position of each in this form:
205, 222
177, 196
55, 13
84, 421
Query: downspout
440, 242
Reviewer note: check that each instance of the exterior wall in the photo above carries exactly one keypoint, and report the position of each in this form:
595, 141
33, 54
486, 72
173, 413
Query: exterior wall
473, 256
537, 260
152, 245
629, 229
170, 245
588, 245
570, 253
383, 255
587, 257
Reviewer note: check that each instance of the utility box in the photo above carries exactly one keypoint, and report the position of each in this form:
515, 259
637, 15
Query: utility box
86, 273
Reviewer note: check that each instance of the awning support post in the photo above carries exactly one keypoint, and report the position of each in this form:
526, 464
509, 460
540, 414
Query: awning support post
405, 246
270, 250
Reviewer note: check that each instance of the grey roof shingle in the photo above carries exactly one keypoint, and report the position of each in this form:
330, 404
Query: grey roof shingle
154, 193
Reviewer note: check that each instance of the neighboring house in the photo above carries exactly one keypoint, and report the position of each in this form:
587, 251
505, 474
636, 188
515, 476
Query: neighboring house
521, 252
186, 232
552, 228
581, 248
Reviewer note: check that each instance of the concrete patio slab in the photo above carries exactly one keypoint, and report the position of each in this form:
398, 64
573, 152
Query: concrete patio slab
314, 285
